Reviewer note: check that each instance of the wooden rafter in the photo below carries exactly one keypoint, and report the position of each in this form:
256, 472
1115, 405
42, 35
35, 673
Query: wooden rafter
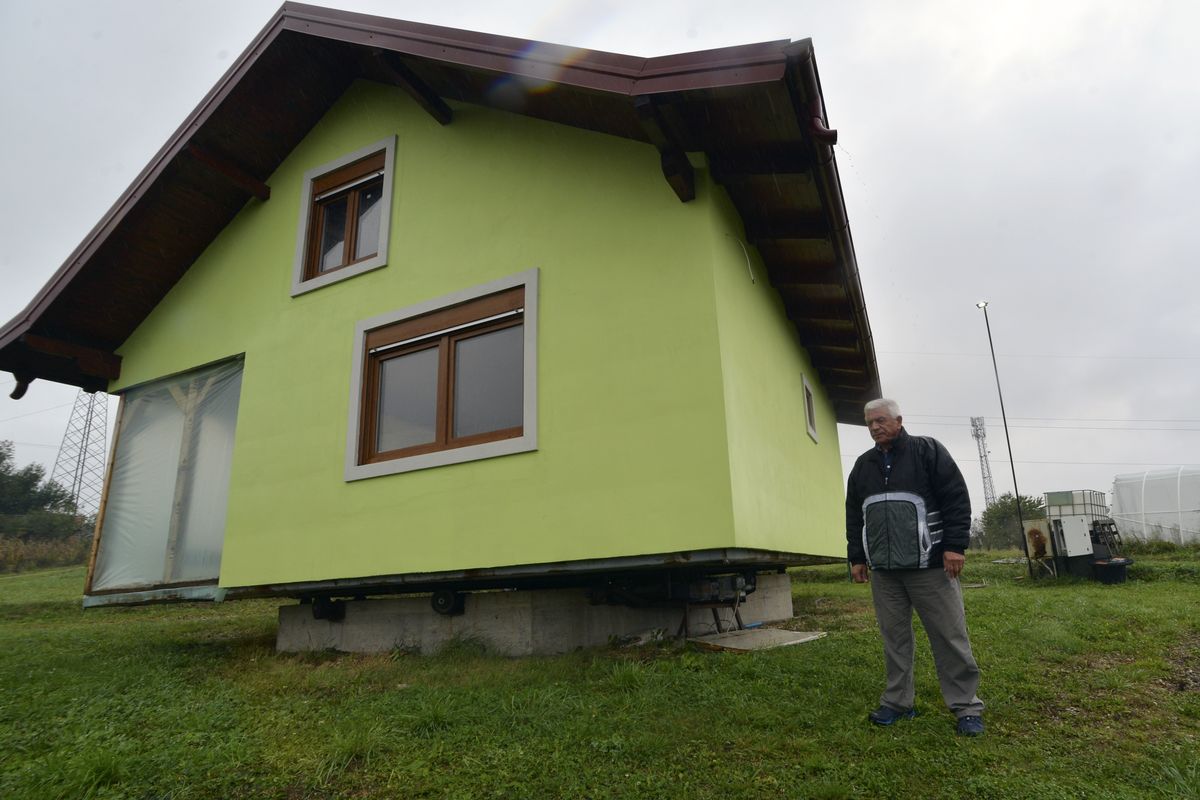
399, 73
831, 357
675, 165
230, 172
21, 385
92, 361
796, 226
804, 275
826, 338
735, 166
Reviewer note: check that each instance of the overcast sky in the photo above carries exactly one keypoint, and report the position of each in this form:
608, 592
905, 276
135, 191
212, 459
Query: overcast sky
1042, 156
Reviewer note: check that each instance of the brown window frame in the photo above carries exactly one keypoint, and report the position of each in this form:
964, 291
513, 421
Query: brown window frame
327, 184
442, 329
345, 182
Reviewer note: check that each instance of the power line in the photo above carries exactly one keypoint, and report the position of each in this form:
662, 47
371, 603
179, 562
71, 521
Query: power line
1118, 463
1066, 419
1062, 427
1094, 463
1036, 355
39, 411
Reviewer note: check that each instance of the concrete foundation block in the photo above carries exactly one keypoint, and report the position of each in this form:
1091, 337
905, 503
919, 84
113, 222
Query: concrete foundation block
514, 623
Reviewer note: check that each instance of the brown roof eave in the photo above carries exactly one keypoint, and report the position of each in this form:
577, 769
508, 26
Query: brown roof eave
566, 66
805, 85
24, 321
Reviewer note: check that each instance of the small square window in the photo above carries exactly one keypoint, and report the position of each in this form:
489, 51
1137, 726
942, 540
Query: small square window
344, 217
810, 410
446, 381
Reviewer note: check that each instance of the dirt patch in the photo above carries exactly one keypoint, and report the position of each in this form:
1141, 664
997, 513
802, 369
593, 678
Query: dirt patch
830, 613
1185, 666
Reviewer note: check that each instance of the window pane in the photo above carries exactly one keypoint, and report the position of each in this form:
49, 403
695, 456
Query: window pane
366, 241
333, 234
407, 400
488, 382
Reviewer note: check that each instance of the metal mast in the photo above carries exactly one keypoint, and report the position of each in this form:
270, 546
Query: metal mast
79, 467
989, 490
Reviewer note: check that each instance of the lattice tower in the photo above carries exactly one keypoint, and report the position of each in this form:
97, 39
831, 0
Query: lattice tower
989, 490
79, 467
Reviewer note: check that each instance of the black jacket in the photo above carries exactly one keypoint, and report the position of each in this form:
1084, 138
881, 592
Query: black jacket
912, 515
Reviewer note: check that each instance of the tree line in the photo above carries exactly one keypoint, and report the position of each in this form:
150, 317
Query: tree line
39, 524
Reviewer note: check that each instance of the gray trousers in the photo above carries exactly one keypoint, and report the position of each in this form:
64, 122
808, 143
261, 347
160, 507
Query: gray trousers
938, 601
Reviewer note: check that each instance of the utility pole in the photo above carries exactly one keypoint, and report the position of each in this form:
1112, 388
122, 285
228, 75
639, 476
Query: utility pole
1004, 418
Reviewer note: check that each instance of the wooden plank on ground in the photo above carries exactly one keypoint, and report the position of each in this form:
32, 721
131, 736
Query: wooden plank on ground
755, 639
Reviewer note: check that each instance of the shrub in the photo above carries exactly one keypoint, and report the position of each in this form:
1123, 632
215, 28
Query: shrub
17, 555
45, 525
1156, 547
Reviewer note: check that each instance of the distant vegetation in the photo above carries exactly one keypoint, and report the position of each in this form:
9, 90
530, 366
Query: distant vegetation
999, 528
39, 526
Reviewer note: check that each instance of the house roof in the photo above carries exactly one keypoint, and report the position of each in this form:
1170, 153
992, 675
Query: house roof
756, 112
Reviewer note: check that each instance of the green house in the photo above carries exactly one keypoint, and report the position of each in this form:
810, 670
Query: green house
400, 306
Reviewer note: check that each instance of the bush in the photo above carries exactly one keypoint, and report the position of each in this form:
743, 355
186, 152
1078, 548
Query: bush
17, 555
1164, 571
45, 525
1158, 547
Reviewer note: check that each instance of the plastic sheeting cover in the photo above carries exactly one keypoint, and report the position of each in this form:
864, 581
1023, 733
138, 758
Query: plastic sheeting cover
164, 520
1160, 504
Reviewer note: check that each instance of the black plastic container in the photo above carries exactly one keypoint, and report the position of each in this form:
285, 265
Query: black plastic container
1111, 571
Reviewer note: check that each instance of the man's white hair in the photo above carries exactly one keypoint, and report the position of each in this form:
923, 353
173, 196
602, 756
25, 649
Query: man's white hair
890, 406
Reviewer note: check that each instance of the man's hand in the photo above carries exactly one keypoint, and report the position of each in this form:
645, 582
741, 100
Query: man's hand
953, 563
859, 573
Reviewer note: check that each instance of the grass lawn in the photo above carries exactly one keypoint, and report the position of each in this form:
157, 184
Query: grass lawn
1093, 691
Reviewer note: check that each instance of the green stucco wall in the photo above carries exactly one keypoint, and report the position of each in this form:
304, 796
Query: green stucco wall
786, 488
634, 456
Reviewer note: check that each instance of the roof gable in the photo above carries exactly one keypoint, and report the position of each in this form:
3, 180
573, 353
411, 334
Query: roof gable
755, 110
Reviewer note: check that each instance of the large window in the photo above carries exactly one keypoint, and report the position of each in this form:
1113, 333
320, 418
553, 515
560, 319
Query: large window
446, 381
344, 217
163, 519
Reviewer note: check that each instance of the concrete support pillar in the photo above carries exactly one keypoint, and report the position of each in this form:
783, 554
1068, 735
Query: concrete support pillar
514, 623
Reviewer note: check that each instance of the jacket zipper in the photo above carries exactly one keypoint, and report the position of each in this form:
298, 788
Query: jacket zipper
887, 475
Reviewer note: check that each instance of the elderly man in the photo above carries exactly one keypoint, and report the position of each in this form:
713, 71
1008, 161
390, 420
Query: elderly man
908, 519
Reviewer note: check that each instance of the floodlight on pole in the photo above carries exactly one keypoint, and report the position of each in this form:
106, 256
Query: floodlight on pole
1007, 441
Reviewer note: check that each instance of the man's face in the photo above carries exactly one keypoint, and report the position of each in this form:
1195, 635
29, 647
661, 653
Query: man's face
883, 427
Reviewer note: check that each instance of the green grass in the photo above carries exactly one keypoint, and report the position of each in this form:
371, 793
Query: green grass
1093, 691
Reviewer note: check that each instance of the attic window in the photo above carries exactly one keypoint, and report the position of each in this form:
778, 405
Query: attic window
345, 215
810, 410
446, 381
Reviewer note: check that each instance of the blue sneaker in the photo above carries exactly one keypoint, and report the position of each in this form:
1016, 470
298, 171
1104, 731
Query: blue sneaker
970, 726
886, 715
